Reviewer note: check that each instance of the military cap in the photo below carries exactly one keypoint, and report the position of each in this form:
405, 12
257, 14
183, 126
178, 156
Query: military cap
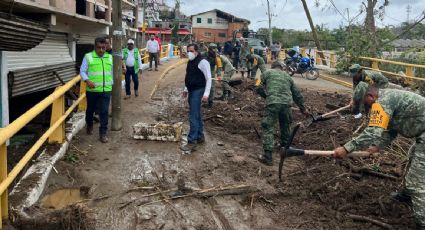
354, 68
212, 45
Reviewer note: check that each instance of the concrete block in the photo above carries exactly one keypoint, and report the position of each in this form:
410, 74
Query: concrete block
158, 132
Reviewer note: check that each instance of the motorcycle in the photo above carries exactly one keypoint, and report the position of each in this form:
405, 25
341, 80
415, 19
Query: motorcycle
303, 65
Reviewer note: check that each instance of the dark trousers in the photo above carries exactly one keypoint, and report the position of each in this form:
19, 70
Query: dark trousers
98, 102
196, 131
131, 74
153, 56
236, 62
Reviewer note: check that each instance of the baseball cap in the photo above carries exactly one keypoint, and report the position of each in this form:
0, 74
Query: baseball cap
130, 41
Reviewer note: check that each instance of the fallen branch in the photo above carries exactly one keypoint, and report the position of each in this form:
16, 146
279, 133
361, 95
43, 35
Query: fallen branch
369, 171
370, 220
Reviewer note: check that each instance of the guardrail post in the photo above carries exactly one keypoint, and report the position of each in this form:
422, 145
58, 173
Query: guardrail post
58, 109
333, 60
410, 73
83, 104
4, 205
318, 59
375, 65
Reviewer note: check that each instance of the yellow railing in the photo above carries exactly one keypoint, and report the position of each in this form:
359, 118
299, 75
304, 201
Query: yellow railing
165, 52
55, 134
331, 60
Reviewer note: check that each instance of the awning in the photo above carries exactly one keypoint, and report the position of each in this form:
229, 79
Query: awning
165, 31
18, 34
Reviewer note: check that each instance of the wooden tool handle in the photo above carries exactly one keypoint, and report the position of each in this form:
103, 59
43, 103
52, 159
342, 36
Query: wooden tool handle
335, 111
330, 153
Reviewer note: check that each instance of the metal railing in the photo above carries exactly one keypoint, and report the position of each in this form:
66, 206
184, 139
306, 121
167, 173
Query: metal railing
165, 52
55, 134
331, 61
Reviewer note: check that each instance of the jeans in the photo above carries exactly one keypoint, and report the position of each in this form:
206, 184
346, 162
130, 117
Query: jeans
236, 62
131, 74
153, 56
98, 102
195, 116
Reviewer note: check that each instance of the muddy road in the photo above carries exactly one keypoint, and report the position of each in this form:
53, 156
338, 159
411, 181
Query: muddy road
127, 183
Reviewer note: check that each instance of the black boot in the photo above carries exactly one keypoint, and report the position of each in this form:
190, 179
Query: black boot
230, 95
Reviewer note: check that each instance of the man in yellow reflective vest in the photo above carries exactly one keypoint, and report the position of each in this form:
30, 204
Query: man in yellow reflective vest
96, 71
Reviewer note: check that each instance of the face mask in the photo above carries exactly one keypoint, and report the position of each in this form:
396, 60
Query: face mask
191, 56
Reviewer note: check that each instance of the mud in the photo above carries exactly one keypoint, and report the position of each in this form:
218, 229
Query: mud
317, 193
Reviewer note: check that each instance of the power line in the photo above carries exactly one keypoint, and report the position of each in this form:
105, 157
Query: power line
337, 10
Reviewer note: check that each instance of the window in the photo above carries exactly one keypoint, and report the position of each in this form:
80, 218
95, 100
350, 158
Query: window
198, 20
222, 35
209, 20
207, 34
182, 26
158, 25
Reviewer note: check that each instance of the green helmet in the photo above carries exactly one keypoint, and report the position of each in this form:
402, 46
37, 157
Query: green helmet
355, 68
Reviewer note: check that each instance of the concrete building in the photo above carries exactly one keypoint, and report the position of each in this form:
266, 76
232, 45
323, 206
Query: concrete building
45, 40
216, 26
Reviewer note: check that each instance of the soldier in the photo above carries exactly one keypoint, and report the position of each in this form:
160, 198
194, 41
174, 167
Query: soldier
228, 71
215, 63
369, 76
280, 91
245, 50
394, 112
255, 62
202, 47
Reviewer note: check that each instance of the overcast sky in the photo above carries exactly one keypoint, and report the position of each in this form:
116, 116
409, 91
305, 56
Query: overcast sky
290, 13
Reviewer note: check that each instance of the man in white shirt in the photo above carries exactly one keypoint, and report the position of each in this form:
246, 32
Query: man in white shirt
153, 48
198, 86
132, 66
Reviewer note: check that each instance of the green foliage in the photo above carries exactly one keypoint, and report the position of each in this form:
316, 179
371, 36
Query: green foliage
71, 157
174, 36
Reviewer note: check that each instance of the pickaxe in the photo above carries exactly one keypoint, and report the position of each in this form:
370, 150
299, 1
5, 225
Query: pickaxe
287, 151
326, 115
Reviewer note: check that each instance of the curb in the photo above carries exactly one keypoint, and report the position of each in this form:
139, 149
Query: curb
168, 69
336, 81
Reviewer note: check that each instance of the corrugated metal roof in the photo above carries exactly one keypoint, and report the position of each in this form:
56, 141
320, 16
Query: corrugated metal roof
18, 34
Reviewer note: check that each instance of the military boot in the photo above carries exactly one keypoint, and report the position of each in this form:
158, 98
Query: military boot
230, 95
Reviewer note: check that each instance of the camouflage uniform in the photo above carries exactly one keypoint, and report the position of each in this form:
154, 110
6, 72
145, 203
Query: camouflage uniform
369, 76
215, 63
258, 63
280, 91
245, 50
228, 71
398, 112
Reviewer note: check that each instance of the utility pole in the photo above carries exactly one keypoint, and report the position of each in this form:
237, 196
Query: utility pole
408, 11
136, 21
270, 23
117, 34
143, 24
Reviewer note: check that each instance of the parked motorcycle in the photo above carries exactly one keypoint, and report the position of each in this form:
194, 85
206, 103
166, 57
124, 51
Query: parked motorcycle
303, 65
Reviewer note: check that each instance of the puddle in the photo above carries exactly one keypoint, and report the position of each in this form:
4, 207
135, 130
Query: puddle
64, 197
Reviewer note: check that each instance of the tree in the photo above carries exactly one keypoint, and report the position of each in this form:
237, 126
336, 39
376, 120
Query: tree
313, 30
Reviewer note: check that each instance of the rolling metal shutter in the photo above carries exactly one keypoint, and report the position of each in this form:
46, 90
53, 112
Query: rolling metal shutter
53, 50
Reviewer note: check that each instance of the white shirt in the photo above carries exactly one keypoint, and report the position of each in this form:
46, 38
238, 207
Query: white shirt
152, 46
130, 59
205, 67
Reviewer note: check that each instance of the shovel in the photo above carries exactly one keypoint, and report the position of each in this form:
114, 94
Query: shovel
326, 116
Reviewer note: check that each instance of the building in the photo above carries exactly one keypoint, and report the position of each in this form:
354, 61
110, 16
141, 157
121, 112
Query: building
216, 26
44, 42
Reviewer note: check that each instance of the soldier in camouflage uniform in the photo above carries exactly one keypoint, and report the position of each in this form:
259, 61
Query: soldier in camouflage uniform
279, 90
228, 71
245, 50
215, 63
255, 62
394, 112
369, 76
